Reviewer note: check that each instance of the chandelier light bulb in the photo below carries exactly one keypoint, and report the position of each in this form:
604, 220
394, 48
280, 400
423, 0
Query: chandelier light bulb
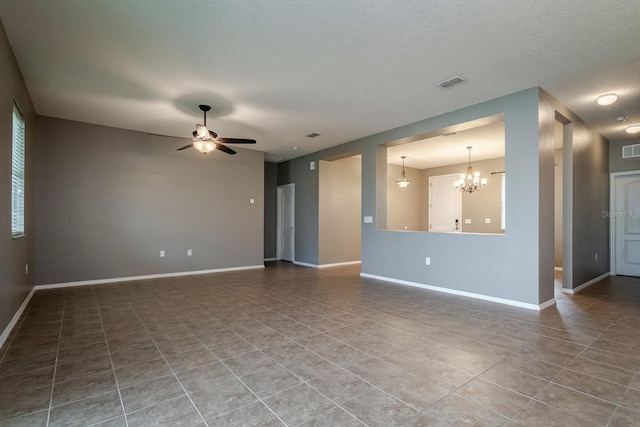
403, 182
471, 181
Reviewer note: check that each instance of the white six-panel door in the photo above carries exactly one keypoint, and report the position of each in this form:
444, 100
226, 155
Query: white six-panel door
626, 224
445, 204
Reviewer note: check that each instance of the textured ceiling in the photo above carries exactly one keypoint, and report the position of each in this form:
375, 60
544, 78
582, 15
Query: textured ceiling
487, 142
278, 70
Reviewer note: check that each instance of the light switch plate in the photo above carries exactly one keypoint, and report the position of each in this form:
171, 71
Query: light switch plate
487, 220
312, 166
467, 221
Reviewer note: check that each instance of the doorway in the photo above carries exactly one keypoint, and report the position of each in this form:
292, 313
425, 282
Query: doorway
285, 225
339, 211
625, 233
445, 204
558, 205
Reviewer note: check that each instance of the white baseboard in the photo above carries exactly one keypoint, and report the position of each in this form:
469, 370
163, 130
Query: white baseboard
145, 277
339, 264
306, 264
16, 317
335, 264
270, 259
514, 303
586, 284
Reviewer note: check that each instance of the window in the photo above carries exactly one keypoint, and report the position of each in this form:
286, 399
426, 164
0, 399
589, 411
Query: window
17, 174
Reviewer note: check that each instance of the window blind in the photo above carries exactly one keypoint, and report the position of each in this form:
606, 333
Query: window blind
17, 173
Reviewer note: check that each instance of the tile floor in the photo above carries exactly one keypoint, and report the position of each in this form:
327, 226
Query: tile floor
302, 347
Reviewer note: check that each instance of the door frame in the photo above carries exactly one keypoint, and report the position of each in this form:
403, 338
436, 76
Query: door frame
457, 176
279, 213
612, 223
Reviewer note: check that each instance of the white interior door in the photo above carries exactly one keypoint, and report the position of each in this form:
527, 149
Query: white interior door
626, 217
445, 204
286, 222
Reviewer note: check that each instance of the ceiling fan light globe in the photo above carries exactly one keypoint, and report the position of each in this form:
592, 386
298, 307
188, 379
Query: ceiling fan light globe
203, 132
205, 147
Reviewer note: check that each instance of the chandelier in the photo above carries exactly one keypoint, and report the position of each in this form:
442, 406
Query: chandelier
403, 181
471, 181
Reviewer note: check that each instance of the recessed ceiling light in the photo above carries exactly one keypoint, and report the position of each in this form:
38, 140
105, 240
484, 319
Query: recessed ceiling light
295, 148
633, 129
607, 99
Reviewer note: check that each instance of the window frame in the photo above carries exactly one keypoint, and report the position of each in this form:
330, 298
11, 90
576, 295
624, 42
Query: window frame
18, 169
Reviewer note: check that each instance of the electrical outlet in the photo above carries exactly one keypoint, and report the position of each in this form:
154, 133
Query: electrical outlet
368, 219
467, 221
189, 252
487, 220
162, 253
427, 261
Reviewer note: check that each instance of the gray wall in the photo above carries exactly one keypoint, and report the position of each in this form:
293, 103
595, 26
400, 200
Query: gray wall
585, 195
340, 189
306, 208
616, 162
108, 200
15, 285
517, 265
400, 255
270, 209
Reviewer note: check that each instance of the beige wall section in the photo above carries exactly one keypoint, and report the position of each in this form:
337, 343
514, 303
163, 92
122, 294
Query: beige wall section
557, 252
478, 205
15, 284
408, 209
405, 205
340, 190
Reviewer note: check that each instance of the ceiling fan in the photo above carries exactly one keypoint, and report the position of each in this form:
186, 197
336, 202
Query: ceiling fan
205, 140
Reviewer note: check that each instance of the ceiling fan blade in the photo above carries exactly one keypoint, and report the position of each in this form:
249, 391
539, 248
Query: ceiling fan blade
236, 141
213, 134
224, 148
185, 147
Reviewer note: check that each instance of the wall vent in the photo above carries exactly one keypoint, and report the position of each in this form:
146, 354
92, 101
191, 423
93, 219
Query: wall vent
450, 82
629, 151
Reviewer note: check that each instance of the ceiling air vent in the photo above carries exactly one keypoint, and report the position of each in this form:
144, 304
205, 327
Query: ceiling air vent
629, 151
450, 82
313, 135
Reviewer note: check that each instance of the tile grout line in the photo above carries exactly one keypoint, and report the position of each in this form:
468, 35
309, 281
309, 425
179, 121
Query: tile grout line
338, 367
165, 361
113, 369
55, 367
551, 381
227, 367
